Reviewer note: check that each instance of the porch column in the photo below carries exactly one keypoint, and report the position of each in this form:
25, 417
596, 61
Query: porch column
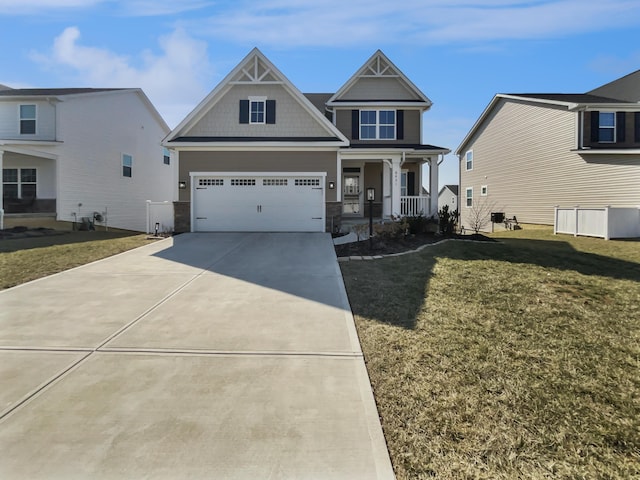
386, 188
395, 186
1, 194
433, 186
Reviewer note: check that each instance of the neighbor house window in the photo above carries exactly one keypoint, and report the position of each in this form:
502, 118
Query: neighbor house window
377, 124
27, 119
607, 127
166, 157
484, 190
470, 197
19, 183
127, 165
469, 160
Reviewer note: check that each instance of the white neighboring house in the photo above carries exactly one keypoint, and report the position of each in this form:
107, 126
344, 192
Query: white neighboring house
78, 152
448, 196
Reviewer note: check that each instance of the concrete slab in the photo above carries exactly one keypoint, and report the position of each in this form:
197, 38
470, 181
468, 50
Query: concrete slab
135, 416
229, 314
202, 356
24, 372
78, 309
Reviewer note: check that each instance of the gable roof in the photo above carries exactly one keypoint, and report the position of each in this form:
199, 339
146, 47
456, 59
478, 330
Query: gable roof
34, 93
453, 188
48, 92
380, 67
570, 101
255, 68
626, 88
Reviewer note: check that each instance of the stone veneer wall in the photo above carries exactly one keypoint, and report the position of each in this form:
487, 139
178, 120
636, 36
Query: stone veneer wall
333, 216
182, 217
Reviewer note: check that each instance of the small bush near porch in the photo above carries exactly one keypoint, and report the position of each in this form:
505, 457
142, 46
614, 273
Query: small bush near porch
514, 359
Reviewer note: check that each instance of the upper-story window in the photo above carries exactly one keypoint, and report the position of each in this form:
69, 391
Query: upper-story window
257, 110
607, 127
377, 124
27, 119
166, 156
468, 157
127, 165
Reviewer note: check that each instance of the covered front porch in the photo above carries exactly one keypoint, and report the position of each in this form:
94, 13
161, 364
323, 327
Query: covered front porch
401, 181
28, 182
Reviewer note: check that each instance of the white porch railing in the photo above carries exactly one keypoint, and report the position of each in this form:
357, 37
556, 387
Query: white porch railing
413, 206
607, 222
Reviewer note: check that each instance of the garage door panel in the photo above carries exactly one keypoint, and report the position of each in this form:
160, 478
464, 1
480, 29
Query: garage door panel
258, 203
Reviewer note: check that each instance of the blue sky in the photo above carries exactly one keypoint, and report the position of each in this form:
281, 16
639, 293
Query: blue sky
458, 52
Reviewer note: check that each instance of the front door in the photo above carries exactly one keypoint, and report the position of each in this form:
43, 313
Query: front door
351, 194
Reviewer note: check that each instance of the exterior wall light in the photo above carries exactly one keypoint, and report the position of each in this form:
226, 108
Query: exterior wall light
182, 185
332, 185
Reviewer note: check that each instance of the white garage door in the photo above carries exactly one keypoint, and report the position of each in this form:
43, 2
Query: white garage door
258, 202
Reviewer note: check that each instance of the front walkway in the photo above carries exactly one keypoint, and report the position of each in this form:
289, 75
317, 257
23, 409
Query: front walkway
201, 356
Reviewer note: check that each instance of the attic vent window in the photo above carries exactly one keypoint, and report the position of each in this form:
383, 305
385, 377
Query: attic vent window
256, 111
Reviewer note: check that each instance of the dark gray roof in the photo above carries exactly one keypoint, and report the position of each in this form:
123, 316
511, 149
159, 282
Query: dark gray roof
401, 146
319, 100
45, 92
568, 97
253, 139
453, 188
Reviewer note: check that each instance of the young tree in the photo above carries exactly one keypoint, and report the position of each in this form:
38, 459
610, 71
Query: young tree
479, 215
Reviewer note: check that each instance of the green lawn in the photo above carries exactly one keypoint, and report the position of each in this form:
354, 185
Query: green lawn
518, 359
25, 259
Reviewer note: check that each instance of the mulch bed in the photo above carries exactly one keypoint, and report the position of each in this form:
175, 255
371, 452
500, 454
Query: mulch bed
24, 232
386, 246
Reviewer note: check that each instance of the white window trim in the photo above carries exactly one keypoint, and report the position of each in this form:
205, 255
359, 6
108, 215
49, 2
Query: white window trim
19, 181
613, 127
262, 100
35, 119
378, 124
466, 161
466, 197
484, 190
122, 165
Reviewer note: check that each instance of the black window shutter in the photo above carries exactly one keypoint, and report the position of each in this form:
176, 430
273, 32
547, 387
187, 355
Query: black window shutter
271, 111
400, 125
620, 126
637, 126
595, 126
411, 183
355, 124
244, 111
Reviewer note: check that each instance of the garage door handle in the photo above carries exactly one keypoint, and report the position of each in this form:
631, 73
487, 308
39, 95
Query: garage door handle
316, 188
316, 218
201, 218
201, 188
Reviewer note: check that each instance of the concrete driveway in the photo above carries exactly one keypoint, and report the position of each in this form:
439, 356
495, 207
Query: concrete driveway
230, 356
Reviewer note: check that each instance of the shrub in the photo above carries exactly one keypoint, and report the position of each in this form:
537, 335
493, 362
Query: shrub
447, 220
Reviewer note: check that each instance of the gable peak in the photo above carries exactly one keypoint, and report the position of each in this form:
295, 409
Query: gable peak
256, 68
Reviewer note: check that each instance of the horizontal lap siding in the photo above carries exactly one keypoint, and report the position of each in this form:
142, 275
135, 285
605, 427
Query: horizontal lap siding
523, 155
258, 162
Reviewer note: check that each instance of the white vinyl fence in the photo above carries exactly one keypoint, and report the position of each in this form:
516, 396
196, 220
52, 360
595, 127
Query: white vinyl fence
607, 222
160, 213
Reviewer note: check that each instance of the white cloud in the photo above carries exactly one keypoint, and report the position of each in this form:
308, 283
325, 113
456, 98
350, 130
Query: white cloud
296, 23
175, 81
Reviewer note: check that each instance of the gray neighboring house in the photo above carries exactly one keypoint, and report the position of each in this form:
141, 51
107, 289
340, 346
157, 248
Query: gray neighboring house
259, 155
530, 152
448, 195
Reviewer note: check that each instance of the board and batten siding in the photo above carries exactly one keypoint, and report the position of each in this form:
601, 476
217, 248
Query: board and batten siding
96, 130
292, 120
522, 153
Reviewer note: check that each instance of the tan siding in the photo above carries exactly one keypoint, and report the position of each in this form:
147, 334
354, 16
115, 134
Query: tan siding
257, 162
379, 88
523, 154
292, 120
411, 127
